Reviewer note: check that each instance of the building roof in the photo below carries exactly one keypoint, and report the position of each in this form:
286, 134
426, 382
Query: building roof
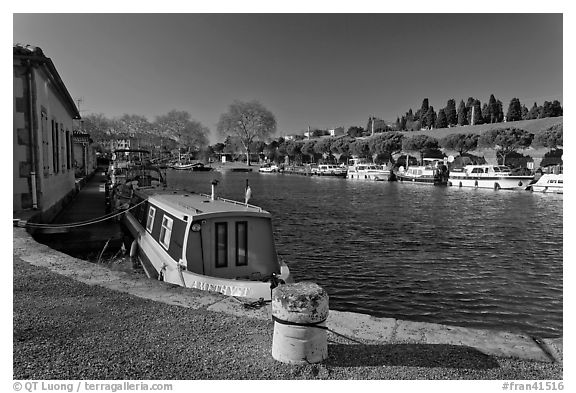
35, 56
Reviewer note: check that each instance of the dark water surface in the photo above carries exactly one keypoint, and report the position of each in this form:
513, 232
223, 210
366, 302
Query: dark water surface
481, 258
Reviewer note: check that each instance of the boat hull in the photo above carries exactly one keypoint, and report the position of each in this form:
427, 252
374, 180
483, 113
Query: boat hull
368, 175
430, 180
493, 182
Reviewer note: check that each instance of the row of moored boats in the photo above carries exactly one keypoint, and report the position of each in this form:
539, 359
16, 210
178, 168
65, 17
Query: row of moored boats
434, 171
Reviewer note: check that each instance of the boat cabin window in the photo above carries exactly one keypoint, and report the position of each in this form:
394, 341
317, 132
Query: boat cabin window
477, 170
221, 244
150, 220
241, 243
166, 231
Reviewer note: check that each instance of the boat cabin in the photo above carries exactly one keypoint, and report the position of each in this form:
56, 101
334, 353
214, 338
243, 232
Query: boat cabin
206, 236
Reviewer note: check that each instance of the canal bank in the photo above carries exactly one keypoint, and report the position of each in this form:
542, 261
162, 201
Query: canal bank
79, 320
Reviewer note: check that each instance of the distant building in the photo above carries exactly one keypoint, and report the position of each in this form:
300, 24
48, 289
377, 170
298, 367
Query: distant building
43, 117
338, 131
116, 144
84, 154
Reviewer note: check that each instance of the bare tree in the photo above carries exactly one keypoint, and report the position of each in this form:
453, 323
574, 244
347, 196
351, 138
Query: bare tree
248, 121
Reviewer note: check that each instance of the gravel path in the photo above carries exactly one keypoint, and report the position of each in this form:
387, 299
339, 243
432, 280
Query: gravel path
64, 329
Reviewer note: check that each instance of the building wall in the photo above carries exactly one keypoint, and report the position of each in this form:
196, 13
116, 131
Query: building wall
51, 141
22, 198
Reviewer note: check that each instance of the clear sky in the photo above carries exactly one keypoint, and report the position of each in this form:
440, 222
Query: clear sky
317, 70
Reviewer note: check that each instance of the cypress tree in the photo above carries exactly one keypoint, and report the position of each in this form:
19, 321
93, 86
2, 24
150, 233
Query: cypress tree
431, 117
547, 109
556, 108
499, 112
492, 110
485, 113
424, 108
533, 112
462, 114
524, 112
450, 112
514, 110
477, 113
442, 121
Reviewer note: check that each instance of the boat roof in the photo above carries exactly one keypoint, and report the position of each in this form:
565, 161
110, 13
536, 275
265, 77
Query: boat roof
180, 202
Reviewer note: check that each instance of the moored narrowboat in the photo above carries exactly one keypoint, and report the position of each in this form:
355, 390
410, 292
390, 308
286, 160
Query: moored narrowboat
203, 242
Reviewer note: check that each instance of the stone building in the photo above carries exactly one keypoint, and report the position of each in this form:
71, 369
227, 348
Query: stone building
43, 117
84, 154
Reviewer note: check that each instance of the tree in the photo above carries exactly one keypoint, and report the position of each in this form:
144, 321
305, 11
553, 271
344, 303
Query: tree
355, 132
462, 114
493, 110
294, 150
462, 143
402, 124
186, 132
98, 126
431, 117
258, 147
451, 114
552, 138
442, 121
341, 147
556, 109
424, 107
420, 144
514, 110
524, 112
360, 148
485, 114
500, 112
534, 112
308, 149
387, 143
248, 121
505, 140
323, 147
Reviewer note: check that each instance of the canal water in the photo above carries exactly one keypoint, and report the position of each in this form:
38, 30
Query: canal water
477, 258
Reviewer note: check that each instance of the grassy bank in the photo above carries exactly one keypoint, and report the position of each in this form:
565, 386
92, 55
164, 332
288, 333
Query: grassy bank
535, 126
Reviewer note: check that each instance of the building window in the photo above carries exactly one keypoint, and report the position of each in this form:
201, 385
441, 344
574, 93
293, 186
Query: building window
68, 152
62, 136
221, 244
150, 220
166, 231
55, 147
45, 143
242, 243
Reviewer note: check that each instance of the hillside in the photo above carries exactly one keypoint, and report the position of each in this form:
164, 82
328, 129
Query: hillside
535, 126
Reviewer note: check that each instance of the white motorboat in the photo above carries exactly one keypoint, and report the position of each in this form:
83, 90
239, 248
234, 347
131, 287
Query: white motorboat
550, 183
494, 177
367, 171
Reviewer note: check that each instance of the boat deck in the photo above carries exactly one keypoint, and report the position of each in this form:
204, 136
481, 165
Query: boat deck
195, 203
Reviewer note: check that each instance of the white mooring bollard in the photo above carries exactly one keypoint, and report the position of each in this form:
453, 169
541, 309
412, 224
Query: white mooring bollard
299, 311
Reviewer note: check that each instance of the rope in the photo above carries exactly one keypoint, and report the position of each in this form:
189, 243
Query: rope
83, 223
312, 324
